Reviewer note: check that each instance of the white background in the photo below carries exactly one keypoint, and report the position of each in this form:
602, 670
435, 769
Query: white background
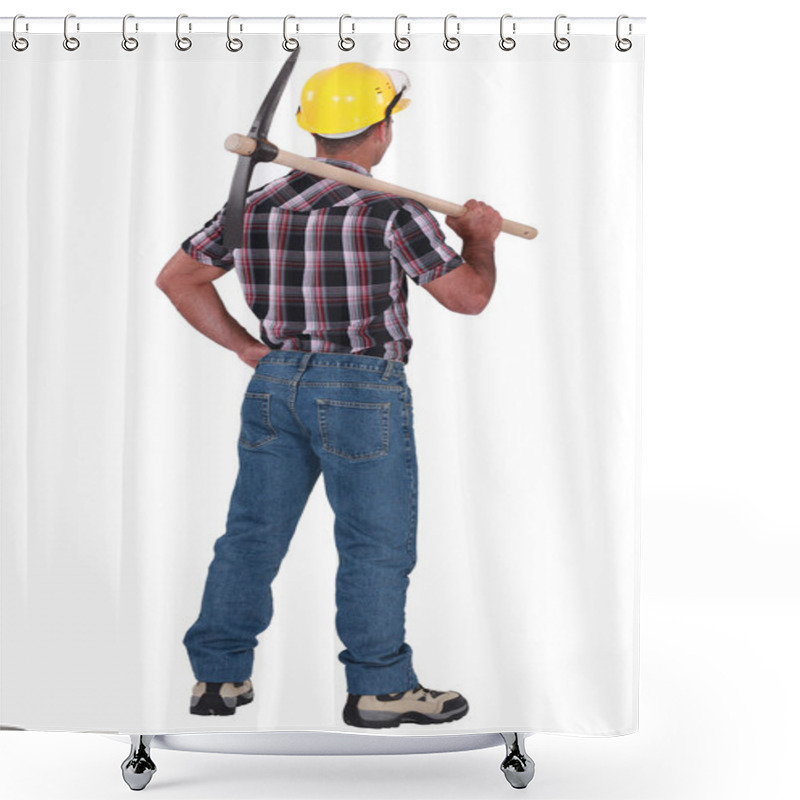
720, 520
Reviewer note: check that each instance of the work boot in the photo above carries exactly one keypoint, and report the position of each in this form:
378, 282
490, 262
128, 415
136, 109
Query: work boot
220, 699
420, 705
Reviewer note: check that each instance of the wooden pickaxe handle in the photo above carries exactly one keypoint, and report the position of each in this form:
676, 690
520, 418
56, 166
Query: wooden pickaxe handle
245, 146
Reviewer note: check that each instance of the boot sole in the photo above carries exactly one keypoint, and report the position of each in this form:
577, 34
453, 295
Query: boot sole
212, 705
415, 717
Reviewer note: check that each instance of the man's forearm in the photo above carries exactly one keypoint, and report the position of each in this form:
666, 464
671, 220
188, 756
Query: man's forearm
188, 284
201, 306
473, 283
480, 258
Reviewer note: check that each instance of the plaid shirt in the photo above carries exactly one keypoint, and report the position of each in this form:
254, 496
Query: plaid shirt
324, 264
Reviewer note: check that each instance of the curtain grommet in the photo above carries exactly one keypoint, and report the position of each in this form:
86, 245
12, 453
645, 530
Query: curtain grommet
401, 43
506, 42
19, 43
622, 44
70, 43
183, 43
289, 43
234, 45
561, 43
451, 43
345, 42
129, 43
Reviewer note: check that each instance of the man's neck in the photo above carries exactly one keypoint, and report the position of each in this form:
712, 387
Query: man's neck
353, 157
345, 160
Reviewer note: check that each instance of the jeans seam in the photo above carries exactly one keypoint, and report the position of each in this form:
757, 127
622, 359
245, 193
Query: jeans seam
410, 472
295, 385
351, 385
378, 368
331, 384
411, 677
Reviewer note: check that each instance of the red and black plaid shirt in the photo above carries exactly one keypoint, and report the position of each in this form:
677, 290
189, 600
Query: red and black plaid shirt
324, 264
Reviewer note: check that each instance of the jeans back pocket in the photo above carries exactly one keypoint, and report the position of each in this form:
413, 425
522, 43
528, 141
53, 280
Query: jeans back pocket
354, 431
257, 429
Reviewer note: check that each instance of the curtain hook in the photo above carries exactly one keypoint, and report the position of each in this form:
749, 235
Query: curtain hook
70, 42
561, 43
451, 42
289, 44
346, 43
18, 43
129, 43
183, 43
506, 42
623, 45
234, 45
401, 43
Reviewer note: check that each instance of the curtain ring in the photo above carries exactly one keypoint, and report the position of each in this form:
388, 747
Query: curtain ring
623, 45
561, 43
129, 43
70, 42
345, 43
289, 44
506, 42
401, 43
451, 42
183, 43
234, 45
18, 43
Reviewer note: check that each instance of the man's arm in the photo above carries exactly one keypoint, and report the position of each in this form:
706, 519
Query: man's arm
468, 288
189, 285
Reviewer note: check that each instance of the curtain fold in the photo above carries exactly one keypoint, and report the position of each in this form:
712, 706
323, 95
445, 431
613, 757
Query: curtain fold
120, 422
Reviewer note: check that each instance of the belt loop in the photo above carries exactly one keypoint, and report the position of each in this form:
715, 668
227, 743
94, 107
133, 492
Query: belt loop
387, 373
302, 365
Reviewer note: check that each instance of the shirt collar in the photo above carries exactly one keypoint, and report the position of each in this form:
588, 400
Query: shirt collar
345, 164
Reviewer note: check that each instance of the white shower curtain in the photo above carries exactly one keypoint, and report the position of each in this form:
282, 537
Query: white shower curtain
120, 422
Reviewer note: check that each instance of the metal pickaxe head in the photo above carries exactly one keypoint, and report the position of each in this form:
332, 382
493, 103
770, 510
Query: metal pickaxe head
233, 220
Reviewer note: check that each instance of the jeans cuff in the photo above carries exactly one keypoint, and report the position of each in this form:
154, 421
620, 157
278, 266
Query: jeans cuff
380, 680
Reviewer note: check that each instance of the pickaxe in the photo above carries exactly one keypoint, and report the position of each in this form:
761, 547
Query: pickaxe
256, 147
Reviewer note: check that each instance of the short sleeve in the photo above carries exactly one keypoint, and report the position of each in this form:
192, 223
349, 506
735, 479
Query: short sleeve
206, 245
418, 244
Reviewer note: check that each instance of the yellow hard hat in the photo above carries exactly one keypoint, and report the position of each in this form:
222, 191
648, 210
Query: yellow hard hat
346, 99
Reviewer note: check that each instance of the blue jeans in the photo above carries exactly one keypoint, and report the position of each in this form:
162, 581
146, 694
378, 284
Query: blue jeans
350, 418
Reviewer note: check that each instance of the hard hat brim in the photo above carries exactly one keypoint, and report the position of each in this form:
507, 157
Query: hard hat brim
403, 102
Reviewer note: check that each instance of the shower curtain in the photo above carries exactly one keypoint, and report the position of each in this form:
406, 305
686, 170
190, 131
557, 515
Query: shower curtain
120, 422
